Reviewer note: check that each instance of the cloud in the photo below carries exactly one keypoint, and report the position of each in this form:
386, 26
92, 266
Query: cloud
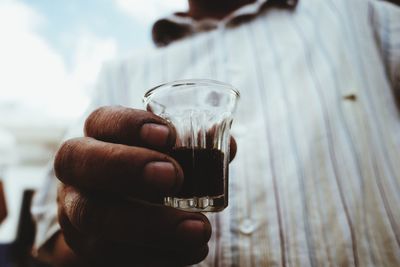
90, 54
150, 10
18, 15
34, 75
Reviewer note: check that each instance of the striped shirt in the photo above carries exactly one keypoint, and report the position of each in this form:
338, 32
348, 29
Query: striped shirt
316, 180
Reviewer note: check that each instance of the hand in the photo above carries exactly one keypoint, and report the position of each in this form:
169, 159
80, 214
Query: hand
110, 201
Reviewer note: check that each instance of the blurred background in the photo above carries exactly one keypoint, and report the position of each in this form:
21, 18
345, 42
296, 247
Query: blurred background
50, 55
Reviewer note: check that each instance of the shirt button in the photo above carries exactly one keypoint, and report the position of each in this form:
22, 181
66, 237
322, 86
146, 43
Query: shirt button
248, 226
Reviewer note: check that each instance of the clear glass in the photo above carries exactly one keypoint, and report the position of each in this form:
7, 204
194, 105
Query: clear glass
202, 114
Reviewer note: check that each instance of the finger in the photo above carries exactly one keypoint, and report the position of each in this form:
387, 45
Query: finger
137, 223
233, 149
213, 135
121, 125
117, 254
183, 257
128, 126
99, 252
93, 165
128, 255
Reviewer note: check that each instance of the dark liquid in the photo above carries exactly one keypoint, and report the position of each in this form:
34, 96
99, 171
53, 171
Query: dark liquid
3, 207
203, 170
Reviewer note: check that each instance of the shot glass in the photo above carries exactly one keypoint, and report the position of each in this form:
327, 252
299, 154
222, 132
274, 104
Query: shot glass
202, 113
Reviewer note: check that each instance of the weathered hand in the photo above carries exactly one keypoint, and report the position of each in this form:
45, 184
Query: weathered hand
113, 183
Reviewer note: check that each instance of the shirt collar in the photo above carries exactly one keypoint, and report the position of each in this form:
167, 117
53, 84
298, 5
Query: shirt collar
179, 25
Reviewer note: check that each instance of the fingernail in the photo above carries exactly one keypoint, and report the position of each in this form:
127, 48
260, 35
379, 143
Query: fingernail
161, 175
155, 134
193, 232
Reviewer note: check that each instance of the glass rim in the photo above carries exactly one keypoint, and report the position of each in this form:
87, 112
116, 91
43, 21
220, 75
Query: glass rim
187, 82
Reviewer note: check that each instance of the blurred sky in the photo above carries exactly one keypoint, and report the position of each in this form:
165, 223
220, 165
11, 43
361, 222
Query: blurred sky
51, 51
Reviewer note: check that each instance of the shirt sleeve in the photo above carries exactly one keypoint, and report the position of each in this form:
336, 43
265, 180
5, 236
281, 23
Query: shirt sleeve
44, 206
385, 18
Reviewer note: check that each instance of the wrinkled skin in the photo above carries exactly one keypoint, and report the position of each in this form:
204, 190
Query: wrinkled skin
110, 199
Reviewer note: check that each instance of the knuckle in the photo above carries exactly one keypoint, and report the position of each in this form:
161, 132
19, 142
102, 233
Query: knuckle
90, 215
117, 124
61, 191
111, 122
62, 161
93, 118
79, 213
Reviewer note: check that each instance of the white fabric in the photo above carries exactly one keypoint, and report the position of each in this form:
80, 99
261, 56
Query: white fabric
316, 181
